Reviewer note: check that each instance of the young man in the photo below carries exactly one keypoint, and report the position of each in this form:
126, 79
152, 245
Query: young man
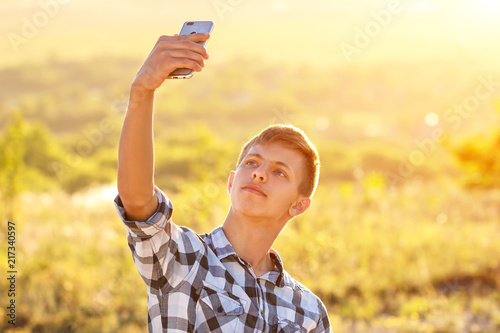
229, 280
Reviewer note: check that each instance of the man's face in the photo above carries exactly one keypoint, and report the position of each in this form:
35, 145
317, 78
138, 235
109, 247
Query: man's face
266, 183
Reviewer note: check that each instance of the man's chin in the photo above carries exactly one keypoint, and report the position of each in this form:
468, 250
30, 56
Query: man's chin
250, 210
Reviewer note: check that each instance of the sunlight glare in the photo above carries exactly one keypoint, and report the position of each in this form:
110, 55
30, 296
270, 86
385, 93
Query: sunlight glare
431, 119
481, 8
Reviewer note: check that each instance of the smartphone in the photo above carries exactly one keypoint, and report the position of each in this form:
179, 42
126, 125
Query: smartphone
191, 27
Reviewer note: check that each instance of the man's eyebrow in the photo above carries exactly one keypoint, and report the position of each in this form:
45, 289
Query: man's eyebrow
255, 155
274, 162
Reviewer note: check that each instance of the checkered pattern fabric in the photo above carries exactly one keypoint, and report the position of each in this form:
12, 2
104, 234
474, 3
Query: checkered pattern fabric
197, 283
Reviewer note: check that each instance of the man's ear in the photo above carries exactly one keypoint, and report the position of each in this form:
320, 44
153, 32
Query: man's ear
299, 206
230, 182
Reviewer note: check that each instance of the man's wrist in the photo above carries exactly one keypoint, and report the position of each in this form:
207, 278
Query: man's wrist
140, 94
138, 91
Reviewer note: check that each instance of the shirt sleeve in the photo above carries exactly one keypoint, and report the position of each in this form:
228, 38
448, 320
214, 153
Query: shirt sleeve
140, 231
324, 321
163, 253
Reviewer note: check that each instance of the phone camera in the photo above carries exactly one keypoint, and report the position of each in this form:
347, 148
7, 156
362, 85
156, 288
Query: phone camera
190, 23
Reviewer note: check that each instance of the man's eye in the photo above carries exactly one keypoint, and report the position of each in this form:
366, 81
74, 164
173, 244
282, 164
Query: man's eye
281, 173
253, 163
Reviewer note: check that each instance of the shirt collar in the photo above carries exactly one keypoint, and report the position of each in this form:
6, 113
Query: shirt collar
220, 244
223, 249
277, 273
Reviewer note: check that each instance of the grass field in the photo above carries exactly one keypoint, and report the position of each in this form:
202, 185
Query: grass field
379, 261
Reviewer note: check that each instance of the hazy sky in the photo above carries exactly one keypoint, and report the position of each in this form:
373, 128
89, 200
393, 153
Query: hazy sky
323, 33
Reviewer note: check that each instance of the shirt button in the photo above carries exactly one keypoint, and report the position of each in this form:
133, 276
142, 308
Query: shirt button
220, 309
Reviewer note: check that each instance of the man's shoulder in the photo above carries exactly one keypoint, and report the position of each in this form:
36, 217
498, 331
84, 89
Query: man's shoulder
187, 240
307, 296
294, 284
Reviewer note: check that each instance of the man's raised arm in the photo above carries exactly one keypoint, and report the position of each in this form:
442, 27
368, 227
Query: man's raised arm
136, 152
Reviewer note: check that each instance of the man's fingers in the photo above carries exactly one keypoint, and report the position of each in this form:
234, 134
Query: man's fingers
197, 37
192, 64
187, 63
187, 54
183, 45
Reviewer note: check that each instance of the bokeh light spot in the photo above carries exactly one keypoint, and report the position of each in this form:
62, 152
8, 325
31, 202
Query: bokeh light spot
322, 124
431, 119
442, 218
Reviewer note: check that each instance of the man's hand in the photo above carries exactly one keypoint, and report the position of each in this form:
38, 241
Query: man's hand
170, 53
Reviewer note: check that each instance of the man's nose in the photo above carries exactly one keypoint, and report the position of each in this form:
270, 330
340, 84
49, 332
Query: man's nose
260, 174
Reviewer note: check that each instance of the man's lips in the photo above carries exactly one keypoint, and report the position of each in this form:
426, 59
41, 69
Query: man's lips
254, 189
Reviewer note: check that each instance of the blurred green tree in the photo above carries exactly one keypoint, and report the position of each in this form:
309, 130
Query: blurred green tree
12, 151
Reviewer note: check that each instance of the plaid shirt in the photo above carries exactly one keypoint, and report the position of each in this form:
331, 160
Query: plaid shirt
197, 283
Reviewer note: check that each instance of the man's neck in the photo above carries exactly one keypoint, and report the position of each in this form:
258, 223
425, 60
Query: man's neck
252, 239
